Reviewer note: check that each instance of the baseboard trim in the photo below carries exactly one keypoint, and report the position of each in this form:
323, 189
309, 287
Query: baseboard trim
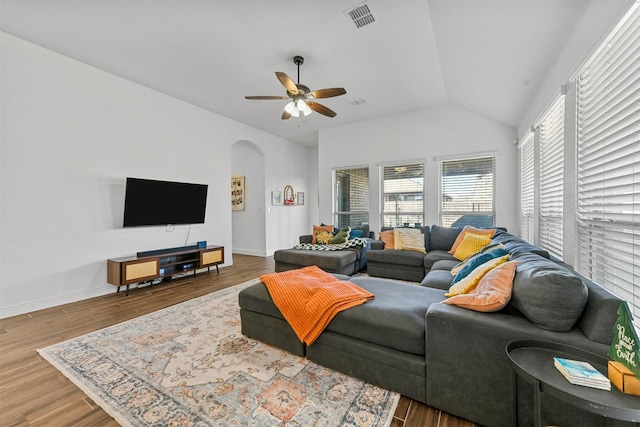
41, 304
251, 252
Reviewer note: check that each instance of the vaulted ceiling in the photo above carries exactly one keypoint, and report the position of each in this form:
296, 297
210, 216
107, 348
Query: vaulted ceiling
487, 56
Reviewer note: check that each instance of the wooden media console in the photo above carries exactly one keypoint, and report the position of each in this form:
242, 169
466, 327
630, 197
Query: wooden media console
162, 263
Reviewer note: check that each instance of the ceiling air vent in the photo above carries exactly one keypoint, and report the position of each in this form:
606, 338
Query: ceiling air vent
361, 15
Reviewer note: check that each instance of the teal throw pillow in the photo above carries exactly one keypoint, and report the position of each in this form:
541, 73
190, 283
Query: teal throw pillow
355, 233
476, 261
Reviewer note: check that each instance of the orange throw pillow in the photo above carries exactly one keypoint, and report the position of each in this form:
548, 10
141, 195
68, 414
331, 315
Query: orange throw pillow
469, 229
318, 228
492, 293
387, 238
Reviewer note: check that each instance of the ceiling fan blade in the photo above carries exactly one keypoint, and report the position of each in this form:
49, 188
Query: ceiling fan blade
287, 82
266, 97
328, 93
285, 115
319, 108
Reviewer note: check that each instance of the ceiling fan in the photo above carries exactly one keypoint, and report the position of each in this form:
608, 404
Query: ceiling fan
301, 97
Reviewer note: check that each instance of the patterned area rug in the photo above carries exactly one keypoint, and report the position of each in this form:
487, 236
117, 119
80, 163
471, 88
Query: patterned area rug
189, 365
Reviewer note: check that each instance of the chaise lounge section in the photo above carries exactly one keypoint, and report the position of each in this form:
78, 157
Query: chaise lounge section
347, 261
409, 340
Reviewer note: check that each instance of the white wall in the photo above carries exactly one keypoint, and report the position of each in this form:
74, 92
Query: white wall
70, 136
249, 225
582, 43
425, 135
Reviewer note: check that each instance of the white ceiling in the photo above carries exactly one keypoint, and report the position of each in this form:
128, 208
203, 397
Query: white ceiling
487, 56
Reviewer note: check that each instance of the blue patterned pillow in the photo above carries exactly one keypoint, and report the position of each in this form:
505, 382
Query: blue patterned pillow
476, 261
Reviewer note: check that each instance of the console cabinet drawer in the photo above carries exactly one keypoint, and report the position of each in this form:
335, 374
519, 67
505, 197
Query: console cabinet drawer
215, 256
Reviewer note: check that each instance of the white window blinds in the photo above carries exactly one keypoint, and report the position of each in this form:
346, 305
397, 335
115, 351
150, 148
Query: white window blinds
527, 189
467, 188
551, 200
608, 163
403, 195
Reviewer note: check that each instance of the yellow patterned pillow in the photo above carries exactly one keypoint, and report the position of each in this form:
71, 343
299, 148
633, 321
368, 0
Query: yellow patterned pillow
323, 237
470, 282
409, 239
471, 244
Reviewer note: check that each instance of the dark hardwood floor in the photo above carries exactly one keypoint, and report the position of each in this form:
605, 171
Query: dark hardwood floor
32, 392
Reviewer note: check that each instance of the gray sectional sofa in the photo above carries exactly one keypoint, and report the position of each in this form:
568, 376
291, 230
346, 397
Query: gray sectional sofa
449, 357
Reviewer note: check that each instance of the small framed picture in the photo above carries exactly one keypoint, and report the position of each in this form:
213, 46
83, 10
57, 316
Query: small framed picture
276, 198
300, 198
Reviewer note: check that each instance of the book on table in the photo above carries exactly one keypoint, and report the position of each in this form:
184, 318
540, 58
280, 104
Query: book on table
582, 373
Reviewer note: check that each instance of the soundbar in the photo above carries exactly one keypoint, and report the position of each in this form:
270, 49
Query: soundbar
165, 251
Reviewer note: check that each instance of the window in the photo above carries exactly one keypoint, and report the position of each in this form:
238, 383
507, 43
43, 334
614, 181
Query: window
527, 189
351, 205
608, 164
551, 196
467, 189
402, 195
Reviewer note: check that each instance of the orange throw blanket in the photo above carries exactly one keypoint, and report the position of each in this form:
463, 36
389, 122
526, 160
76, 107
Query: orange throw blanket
309, 298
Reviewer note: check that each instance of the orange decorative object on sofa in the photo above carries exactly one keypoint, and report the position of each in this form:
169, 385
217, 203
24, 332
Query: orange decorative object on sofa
309, 298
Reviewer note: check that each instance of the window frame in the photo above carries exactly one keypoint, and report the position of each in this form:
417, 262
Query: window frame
442, 212
419, 215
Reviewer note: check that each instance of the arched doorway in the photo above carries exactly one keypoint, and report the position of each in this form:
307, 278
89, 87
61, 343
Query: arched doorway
249, 225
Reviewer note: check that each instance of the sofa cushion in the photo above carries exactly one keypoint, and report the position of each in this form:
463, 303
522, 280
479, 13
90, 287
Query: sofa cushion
442, 238
387, 237
438, 279
396, 256
360, 231
475, 261
408, 239
489, 232
444, 264
320, 228
327, 260
514, 244
355, 233
489, 248
341, 236
436, 255
323, 237
471, 243
492, 293
548, 294
600, 314
471, 281
395, 318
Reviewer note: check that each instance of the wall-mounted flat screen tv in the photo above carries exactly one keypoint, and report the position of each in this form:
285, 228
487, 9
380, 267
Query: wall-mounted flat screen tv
150, 202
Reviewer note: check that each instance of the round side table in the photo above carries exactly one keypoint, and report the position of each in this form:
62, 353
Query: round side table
532, 360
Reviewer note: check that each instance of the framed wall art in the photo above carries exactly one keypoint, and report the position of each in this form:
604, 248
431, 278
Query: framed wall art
237, 193
300, 198
276, 198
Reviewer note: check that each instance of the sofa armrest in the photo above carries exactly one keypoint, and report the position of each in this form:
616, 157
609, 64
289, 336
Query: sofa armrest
377, 245
306, 238
466, 360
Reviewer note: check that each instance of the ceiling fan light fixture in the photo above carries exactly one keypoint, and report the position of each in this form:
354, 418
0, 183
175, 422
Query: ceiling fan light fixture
292, 109
303, 107
302, 100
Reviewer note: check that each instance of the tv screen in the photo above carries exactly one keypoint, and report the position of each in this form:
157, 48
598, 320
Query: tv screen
151, 202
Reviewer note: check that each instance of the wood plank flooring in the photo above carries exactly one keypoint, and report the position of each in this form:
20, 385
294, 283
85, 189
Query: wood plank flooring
34, 393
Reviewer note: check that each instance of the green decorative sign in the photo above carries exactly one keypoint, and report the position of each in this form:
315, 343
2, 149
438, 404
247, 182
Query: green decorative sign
624, 347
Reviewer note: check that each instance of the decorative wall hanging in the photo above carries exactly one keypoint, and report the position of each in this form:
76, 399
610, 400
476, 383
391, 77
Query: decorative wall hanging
300, 198
276, 198
289, 195
237, 193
